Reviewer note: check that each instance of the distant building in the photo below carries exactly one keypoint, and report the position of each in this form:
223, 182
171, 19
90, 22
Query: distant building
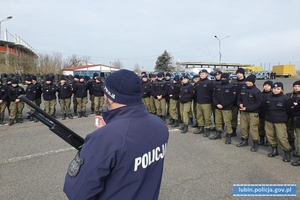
89, 70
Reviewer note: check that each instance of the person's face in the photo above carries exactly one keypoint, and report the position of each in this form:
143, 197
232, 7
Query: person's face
144, 79
168, 78
62, 82
240, 75
203, 75
218, 77
153, 78
160, 78
28, 82
267, 87
196, 80
277, 90
76, 79
14, 85
33, 81
95, 77
185, 81
249, 83
81, 80
296, 88
48, 82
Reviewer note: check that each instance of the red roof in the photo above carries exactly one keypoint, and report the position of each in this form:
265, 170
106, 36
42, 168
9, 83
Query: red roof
85, 66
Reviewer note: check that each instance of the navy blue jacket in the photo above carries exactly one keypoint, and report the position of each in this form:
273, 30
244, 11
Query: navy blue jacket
279, 108
80, 89
146, 89
122, 160
159, 88
239, 85
3, 93
204, 89
224, 94
15, 92
49, 91
251, 98
64, 91
263, 107
31, 90
175, 91
187, 93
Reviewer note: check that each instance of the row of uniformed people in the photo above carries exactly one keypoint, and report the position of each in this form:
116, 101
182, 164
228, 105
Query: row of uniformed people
49, 92
229, 99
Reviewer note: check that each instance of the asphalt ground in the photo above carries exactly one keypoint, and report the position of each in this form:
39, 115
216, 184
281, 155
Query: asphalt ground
34, 161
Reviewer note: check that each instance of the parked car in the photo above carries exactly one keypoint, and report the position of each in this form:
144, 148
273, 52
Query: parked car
261, 75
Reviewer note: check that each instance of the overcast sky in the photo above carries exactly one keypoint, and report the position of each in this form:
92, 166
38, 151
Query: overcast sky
263, 32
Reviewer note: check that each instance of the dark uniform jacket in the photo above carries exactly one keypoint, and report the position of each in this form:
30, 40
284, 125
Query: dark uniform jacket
263, 107
204, 89
279, 108
168, 87
15, 92
187, 93
122, 160
239, 85
146, 89
97, 89
251, 98
39, 91
49, 91
295, 98
175, 90
90, 84
80, 89
31, 91
3, 93
64, 91
224, 94
159, 88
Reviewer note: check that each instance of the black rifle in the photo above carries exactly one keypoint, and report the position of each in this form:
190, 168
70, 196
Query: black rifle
55, 126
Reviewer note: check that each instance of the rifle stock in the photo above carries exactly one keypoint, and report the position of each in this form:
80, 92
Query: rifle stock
55, 126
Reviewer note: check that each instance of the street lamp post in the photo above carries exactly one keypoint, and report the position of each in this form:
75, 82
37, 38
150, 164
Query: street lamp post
220, 53
6, 19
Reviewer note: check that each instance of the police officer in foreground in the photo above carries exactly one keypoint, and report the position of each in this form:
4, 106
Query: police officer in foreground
118, 160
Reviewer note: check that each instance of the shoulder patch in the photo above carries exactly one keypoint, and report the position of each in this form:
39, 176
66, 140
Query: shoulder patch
75, 165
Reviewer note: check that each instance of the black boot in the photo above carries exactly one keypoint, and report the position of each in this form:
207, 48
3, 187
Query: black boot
75, 113
233, 132
184, 129
206, 132
292, 144
216, 136
191, 121
274, 152
261, 140
1, 122
176, 124
296, 163
70, 116
195, 125
84, 114
243, 143
20, 120
171, 121
11, 122
228, 139
213, 129
266, 142
200, 129
92, 111
79, 114
254, 146
287, 156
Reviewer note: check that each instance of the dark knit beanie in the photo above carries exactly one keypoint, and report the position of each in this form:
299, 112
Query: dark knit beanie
277, 84
240, 70
270, 83
250, 78
123, 87
176, 78
95, 75
296, 83
203, 71
48, 79
14, 81
225, 75
168, 74
196, 76
145, 76
187, 77
218, 72
160, 75
34, 78
98, 78
8, 80
29, 79
63, 78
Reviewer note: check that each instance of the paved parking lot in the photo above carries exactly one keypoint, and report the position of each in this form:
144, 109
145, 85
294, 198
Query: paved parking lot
33, 163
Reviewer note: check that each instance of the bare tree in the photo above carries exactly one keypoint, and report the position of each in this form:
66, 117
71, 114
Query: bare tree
137, 69
117, 64
74, 60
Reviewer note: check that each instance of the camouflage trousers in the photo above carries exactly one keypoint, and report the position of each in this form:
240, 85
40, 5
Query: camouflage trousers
65, 105
16, 110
